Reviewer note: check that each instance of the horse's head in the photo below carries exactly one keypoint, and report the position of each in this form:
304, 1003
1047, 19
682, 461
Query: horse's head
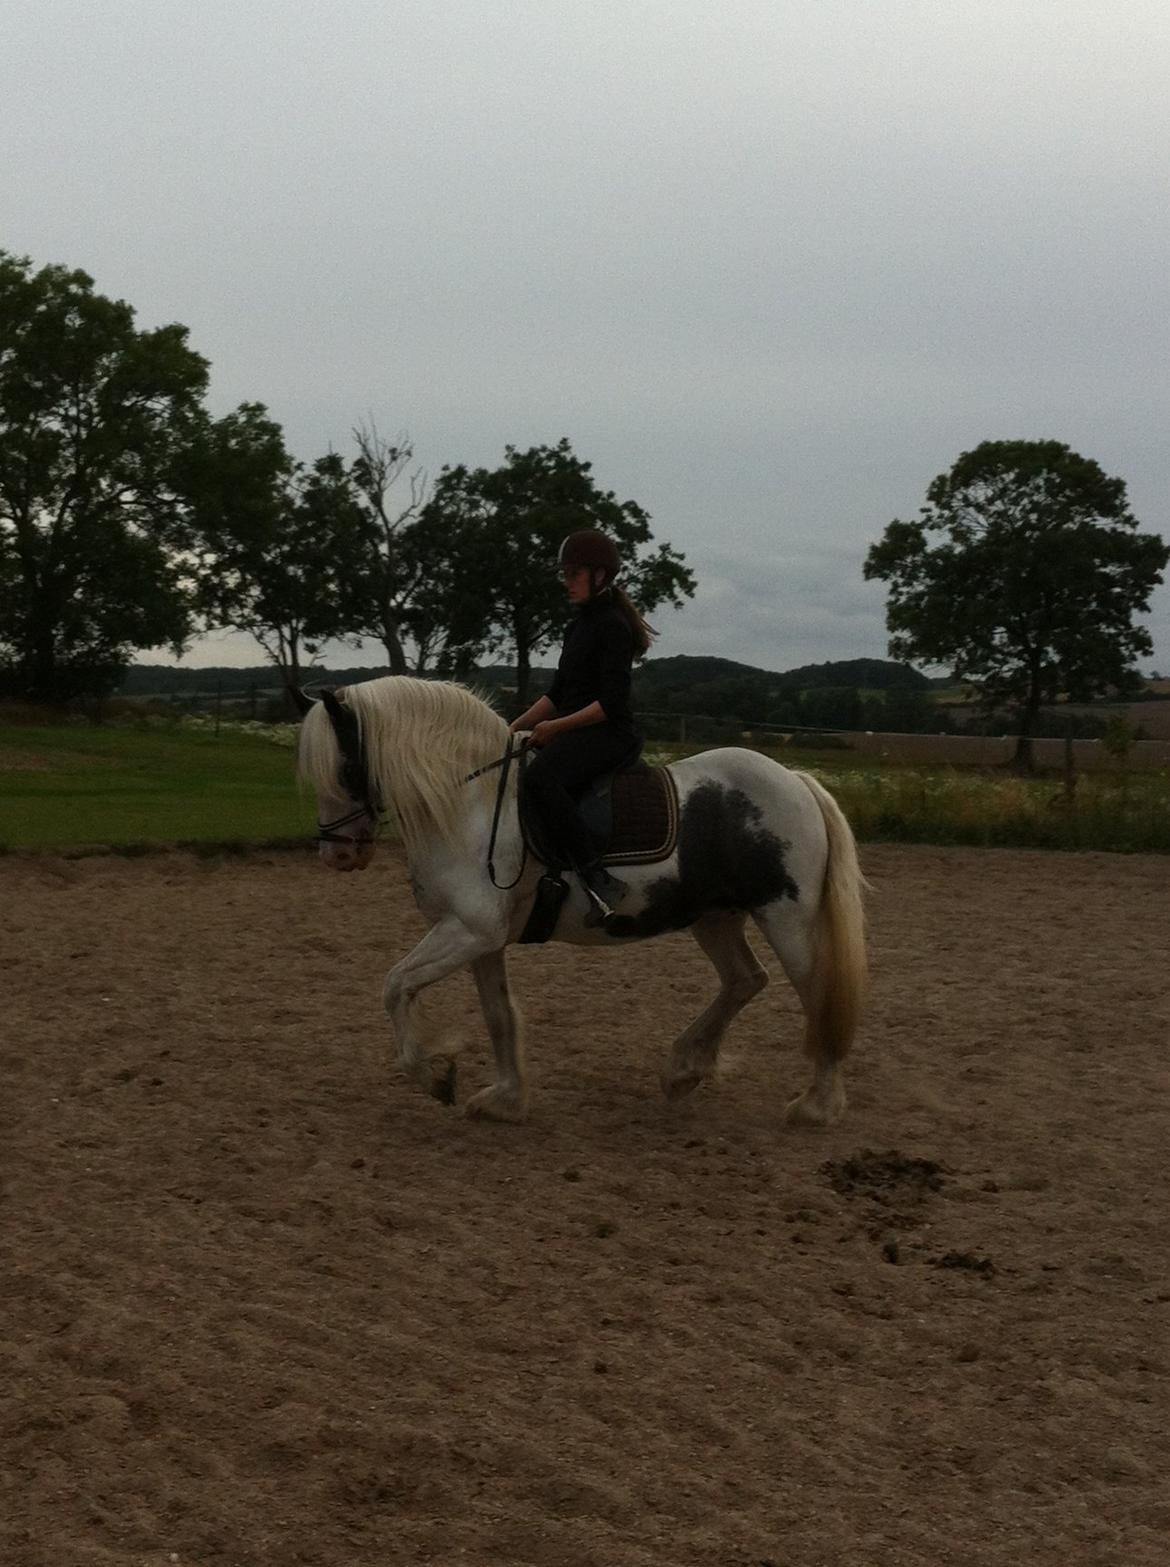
332, 757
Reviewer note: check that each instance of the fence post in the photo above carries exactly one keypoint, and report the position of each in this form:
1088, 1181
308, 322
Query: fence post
1070, 773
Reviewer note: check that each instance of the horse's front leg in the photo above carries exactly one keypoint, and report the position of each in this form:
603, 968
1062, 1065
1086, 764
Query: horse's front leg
447, 946
507, 1098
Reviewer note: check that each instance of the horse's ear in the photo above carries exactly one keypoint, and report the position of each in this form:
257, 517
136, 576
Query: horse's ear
301, 700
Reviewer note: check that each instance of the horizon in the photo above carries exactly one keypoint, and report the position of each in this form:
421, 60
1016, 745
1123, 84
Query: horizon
380, 667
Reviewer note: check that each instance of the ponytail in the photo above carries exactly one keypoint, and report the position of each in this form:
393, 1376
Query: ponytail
642, 630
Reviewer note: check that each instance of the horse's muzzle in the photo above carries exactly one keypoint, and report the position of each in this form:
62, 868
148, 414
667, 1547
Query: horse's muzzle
352, 856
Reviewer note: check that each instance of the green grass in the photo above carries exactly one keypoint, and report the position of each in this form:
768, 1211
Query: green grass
948, 805
141, 786
901, 803
136, 786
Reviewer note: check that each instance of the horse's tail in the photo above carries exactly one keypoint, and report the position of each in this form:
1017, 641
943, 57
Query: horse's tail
836, 988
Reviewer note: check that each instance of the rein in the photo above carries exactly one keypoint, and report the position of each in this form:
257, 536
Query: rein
500, 761
512, 752
327, 832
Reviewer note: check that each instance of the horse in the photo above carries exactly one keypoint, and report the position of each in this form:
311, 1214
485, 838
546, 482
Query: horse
755, 840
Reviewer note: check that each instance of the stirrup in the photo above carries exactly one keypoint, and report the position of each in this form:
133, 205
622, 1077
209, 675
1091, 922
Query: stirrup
600, 911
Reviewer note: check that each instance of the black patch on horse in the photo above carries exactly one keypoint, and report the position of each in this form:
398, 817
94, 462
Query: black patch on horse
726, 860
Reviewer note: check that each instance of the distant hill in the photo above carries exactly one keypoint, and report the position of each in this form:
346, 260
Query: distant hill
169, 680
657, 675
665, 678
873, 674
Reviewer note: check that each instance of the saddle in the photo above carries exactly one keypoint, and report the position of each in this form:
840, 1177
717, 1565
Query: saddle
631, 814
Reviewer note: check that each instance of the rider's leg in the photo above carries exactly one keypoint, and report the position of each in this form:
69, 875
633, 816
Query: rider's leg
554, 775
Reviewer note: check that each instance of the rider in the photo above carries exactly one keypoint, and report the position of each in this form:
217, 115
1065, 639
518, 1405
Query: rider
584, 726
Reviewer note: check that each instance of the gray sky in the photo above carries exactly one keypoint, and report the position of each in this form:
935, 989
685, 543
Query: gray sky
770, 265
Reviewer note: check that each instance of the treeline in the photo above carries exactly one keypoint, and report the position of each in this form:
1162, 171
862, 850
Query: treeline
893, 697
130, 518
813, 696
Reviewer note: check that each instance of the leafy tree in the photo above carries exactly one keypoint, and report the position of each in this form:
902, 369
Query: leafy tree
832, 707
493, 538
903, 710
1119, 737
1030, 583
277, 547
394, 583
446, 617
93, 416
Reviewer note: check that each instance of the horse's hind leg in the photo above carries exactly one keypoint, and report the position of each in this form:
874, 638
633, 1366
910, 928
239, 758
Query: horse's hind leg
507, 1098
792, 935
741, 976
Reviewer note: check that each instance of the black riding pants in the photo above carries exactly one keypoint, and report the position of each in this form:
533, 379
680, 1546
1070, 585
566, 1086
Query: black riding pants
561, 770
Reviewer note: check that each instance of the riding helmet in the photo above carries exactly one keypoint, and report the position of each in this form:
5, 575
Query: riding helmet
588, 547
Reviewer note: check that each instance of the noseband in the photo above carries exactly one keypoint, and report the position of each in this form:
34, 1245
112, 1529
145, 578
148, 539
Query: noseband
327, 831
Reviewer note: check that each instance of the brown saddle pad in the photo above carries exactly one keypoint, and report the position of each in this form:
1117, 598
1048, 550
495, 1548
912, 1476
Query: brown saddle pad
645, 817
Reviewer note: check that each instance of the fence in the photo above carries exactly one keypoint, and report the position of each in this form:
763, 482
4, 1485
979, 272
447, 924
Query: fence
702, 728
923, 749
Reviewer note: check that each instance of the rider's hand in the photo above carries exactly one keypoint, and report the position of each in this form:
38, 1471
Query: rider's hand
542, 733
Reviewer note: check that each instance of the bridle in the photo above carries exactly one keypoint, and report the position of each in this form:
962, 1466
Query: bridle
355, 777
327, 831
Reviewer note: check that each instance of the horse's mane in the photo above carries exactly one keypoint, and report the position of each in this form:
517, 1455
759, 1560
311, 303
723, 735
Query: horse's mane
422, 738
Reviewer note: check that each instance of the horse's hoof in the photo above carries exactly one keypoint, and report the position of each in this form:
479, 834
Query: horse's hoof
444, 1074
680, 1087
495, 1106
811, 1110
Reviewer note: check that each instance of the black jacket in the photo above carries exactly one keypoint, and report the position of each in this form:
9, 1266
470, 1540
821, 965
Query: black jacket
596, 661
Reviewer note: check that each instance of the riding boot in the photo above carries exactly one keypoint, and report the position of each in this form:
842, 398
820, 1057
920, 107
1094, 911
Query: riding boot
604, 892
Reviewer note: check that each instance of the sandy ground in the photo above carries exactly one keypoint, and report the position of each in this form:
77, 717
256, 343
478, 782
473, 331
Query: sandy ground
262, 1303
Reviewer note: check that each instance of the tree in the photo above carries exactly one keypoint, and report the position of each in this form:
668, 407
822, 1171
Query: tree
493, 538
1030, 587
832, 707
93, 416
277, 547
393, 572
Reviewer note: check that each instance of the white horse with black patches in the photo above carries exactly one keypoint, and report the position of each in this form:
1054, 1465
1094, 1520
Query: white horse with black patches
755, 840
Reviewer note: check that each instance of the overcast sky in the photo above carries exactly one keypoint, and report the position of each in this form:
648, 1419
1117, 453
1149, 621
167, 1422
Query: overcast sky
770, 265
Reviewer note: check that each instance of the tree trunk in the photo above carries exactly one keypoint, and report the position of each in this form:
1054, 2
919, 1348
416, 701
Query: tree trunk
395, 654
289, 664
37, 644
523, 675
43, 682
1022, 761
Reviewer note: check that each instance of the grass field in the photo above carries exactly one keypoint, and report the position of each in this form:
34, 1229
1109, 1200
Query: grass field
891, 802
135, 786
127, 786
